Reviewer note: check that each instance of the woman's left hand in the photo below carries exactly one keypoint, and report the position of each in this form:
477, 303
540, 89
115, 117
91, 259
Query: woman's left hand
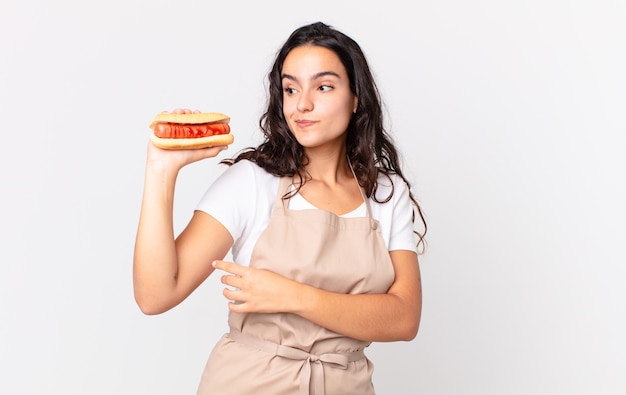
252, 290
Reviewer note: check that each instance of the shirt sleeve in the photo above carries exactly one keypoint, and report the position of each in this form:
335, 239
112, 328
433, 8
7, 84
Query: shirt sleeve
231, 198
402, 236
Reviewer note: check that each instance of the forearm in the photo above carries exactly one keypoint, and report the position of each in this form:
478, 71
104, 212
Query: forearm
370, 317
155, 263
392, 316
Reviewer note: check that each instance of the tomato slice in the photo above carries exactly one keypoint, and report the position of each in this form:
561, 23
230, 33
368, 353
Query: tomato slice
187, 131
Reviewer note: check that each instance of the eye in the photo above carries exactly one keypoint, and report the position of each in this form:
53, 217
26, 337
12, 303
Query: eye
289, 91
325, 88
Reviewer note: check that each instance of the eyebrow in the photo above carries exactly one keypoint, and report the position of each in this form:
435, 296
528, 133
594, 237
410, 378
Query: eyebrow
314, 77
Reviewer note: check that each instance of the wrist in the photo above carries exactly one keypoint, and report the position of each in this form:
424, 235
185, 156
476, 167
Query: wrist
303, 299
160, 169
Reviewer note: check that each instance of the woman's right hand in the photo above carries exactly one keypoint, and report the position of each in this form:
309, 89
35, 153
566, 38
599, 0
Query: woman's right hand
179, 158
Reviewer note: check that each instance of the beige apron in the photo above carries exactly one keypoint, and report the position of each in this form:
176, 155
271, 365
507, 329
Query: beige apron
275, 354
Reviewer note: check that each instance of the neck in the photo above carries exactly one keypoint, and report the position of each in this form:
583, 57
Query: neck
329, 167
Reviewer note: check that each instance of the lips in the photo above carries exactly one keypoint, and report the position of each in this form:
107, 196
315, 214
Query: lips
305, 123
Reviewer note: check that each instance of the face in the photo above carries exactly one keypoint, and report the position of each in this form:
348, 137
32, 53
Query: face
317, 101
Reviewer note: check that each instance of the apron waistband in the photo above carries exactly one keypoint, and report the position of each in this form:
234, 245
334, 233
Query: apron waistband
313, 369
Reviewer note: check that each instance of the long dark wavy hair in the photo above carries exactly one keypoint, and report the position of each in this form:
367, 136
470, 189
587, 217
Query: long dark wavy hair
369, 148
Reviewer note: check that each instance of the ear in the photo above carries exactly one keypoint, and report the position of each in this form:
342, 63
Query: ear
356, 104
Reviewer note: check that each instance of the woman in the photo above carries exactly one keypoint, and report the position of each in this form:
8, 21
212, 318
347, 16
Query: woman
320, 221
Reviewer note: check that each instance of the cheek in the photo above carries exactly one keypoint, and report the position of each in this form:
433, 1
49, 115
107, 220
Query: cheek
289, 107
341, 112
288, 111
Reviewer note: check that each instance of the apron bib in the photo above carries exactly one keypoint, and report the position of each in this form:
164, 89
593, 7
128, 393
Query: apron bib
284, 353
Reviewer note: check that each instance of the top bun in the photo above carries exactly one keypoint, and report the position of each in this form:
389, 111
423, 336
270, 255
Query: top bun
198, 118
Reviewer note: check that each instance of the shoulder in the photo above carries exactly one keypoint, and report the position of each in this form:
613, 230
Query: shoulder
390, 186
241, 183
240, 197
252, 184
392, 206
248, 174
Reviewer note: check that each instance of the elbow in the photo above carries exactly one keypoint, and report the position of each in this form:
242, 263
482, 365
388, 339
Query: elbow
412, 324
149, 305
149, 310
152, 299
402, 331
410, 332
410, 327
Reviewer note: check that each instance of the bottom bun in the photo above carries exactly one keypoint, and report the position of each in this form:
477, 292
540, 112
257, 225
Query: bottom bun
192, 143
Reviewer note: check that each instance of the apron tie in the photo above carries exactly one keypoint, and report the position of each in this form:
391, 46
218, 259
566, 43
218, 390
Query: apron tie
313, 368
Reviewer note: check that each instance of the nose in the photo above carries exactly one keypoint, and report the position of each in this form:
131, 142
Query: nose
304, 102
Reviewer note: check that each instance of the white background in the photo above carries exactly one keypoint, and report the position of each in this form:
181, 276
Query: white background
510, 115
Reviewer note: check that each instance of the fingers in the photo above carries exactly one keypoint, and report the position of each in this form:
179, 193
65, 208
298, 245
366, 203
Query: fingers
237, 291
229, 267
182, 111
231, 281
185, 111
235, 271
231, 294
209, 152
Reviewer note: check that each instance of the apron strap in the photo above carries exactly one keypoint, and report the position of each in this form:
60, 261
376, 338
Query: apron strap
313, 367
284, 187
374, 223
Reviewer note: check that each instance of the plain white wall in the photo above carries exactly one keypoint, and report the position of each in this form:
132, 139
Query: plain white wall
511, 119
